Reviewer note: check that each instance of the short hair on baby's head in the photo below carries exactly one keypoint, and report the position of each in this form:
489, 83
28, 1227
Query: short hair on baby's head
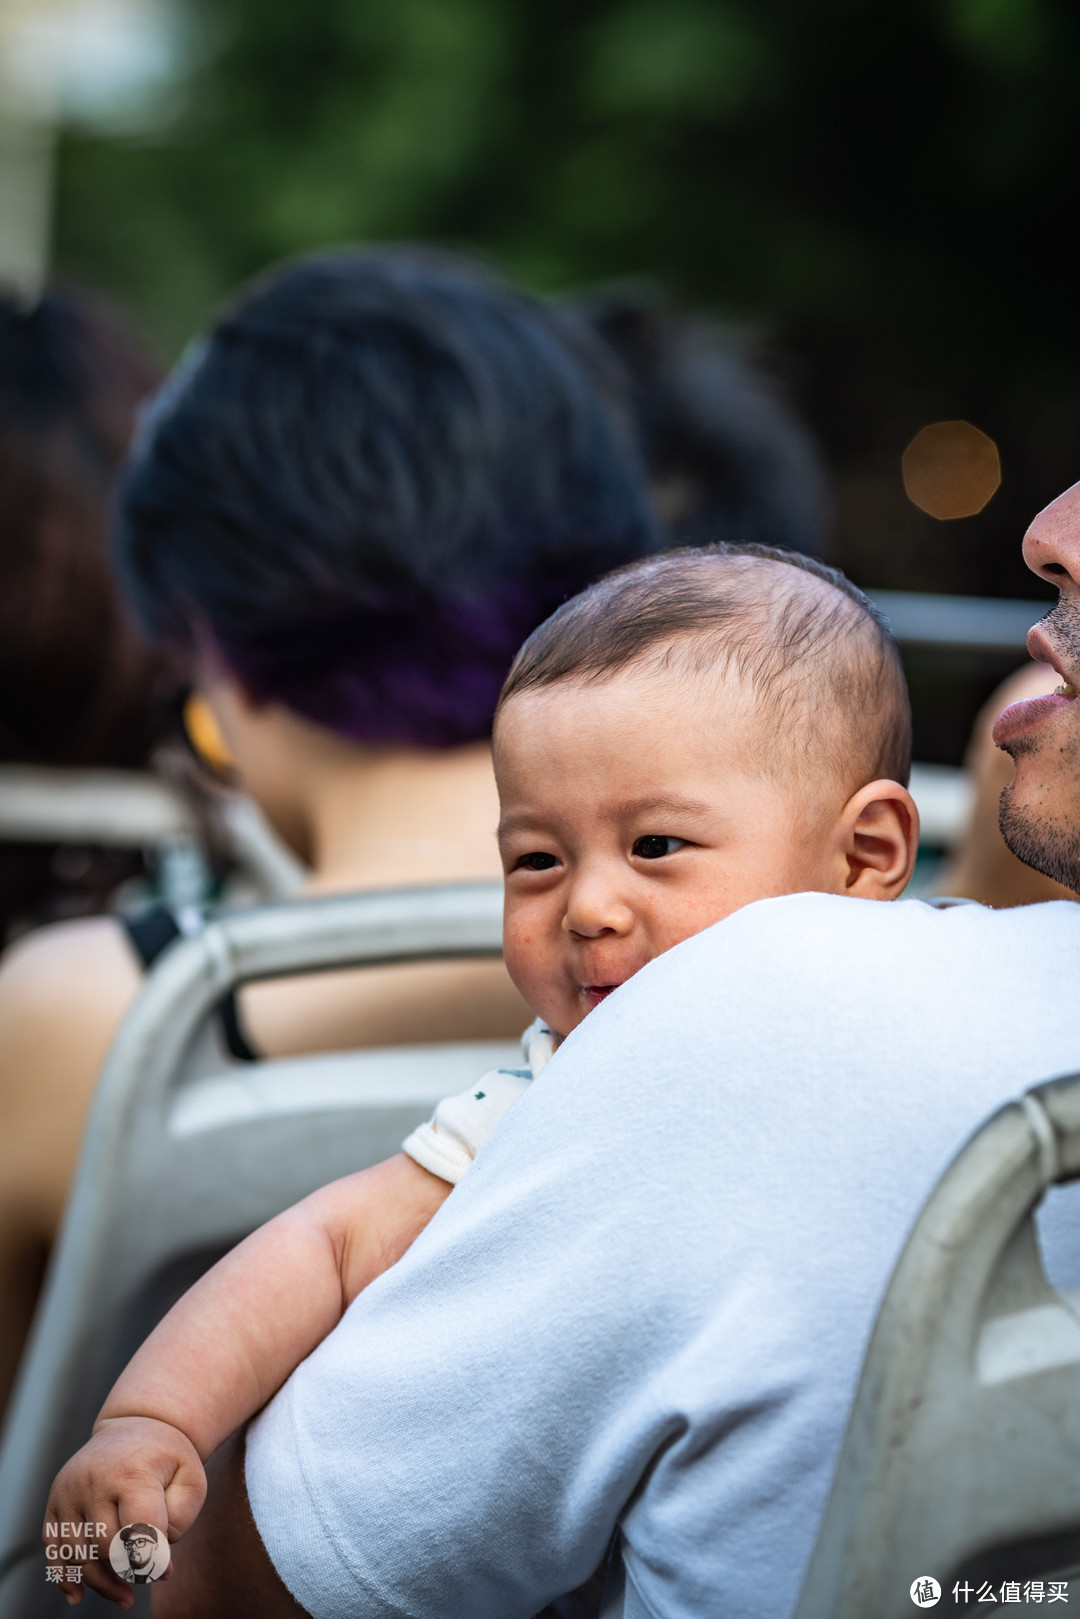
815, 651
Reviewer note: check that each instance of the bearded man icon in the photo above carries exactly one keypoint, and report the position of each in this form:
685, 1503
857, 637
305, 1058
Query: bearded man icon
139, 1553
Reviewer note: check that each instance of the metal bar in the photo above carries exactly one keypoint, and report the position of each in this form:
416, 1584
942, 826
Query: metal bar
126, 809
981, 623
128, 1123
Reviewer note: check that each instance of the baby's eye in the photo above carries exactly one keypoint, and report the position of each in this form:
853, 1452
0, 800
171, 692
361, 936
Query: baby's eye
536, 860
653, 847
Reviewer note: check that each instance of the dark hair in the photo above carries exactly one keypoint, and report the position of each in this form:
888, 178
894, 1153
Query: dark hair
74, 679
76, 683
753, 608
380, 471
728, 459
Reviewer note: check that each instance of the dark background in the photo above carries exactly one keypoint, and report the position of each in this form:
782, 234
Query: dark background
874, 197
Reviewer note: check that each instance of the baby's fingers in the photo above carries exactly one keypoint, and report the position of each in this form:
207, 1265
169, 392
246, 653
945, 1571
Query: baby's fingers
111, 1544
138, 1483
184, 1497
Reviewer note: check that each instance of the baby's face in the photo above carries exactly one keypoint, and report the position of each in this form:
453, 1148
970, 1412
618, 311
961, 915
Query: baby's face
634, 814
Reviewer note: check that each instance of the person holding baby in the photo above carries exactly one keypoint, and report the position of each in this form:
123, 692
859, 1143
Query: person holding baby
697, 732
643, 1309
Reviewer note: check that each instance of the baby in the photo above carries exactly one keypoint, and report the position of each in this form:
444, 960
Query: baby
695, 732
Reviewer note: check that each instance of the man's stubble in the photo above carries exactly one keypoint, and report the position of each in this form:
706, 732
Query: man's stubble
1049, 841
1041, 842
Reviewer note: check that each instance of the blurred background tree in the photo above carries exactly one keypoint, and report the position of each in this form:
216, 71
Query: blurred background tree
870, 192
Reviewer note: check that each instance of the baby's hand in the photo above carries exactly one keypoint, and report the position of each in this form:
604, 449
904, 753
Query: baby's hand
133, 1470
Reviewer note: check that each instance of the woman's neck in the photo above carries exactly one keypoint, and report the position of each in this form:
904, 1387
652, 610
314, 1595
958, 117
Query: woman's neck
376, 819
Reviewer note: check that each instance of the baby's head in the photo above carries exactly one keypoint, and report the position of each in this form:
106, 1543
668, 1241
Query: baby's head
694, 732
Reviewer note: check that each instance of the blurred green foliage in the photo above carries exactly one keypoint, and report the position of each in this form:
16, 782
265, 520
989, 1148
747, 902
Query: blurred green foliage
878, 187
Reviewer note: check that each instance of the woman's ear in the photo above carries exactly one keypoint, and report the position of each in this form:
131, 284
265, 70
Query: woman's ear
880, 826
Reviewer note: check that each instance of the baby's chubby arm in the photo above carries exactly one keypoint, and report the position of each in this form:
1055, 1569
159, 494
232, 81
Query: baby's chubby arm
225, 1348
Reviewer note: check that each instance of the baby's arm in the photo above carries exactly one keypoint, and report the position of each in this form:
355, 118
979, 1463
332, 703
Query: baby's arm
226, 1347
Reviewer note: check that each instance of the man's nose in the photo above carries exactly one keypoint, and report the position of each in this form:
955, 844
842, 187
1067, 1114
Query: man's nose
596, 906
1052, 543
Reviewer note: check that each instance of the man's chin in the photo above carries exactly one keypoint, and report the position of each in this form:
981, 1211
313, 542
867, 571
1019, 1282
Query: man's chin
1041, 843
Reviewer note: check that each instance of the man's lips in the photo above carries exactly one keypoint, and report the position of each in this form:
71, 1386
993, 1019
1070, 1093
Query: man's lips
1041, 647
1021, 717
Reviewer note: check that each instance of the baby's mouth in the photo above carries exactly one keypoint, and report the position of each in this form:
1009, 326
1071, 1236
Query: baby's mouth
595, 993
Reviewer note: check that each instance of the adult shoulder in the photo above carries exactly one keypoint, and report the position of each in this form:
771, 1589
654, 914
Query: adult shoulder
63, 993
818, 930
653, 1290
86, 966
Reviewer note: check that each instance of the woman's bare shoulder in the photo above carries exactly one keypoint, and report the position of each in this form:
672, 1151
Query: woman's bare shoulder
81, 972
63, 994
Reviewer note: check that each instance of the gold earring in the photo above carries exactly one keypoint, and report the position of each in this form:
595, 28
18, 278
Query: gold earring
204, 734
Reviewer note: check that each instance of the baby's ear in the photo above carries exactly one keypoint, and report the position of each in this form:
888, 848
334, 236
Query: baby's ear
881, 838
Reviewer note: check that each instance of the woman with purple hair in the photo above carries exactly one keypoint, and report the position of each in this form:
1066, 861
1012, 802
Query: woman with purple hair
345, 511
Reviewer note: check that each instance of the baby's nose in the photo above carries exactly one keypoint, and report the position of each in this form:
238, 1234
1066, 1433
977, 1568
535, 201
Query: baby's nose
596, 907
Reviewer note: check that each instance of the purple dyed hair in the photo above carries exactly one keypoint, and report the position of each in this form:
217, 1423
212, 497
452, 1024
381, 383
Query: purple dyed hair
371, 481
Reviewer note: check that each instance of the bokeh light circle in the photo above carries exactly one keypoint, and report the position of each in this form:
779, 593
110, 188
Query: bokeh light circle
951, 469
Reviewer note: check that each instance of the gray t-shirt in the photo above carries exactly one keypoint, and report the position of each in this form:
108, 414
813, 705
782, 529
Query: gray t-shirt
648, 1301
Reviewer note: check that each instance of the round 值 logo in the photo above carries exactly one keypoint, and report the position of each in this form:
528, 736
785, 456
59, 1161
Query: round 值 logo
925, 1591
139, 1553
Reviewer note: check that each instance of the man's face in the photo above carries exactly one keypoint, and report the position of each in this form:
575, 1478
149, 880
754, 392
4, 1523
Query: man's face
140, 1552
634, 814
1040, 809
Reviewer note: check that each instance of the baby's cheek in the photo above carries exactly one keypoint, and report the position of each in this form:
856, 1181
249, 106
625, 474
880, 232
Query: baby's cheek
535, 965
521, 948
693, 916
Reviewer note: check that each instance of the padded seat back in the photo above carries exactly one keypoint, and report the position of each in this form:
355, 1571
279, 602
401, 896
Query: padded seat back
962, 1456
186, 1151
